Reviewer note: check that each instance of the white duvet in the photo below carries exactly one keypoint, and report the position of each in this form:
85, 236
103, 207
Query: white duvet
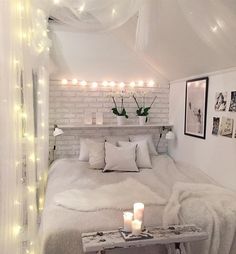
181, 197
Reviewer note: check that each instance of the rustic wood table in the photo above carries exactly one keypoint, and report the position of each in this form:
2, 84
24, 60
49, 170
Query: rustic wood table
172, 237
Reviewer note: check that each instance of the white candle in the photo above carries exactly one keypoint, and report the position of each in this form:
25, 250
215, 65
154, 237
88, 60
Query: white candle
128, 217
138, 211
136, 227
88, 118
99, 118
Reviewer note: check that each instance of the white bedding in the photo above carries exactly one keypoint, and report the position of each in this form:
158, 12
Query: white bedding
61, 228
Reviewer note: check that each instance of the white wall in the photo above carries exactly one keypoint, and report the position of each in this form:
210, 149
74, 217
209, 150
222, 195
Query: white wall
216, 155
97, 57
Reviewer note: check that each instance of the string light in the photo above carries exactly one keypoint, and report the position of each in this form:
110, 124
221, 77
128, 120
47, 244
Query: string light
16, 230
83, 83
140, 83
105, 83
132, 84
81, 8
64, 81
74, 81
94, 85
151, 83
56, 1
122, 85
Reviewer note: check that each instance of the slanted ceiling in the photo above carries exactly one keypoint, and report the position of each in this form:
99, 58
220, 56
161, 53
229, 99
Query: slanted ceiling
175, 50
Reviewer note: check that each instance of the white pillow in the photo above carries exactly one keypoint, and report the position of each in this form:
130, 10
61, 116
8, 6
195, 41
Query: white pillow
143, 158
151, 145
115, 139
96, 154
120, 158
84, 150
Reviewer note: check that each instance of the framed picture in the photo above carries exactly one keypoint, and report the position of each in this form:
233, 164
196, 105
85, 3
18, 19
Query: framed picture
196, 107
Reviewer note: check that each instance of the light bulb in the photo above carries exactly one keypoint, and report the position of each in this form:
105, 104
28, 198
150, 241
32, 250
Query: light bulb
83, 83
74, 81
56, 1
81, 8
151, 83
105, 83
140, 83
16, 230
32, 157
31, 208
112, 83
132, 84
122, 85
94, 85
64, 81
31, 189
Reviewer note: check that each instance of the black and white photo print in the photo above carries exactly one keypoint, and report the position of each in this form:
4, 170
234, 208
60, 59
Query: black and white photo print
221, 101
232, 106
196, 107
226, 127
216, 125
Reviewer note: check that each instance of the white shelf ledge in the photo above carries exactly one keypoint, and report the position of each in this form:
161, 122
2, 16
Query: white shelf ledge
94, 126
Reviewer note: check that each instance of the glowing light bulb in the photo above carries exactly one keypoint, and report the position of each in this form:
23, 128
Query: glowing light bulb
74, 81
41, 81
24, 115
94, 85
81, 8
16, 202
56, 1
122, 85
31, 189
17, 108
105, 83
32, 157
64, 81
31, 208
132, 84
40, 102
151, 83
141, 83
83, 83
16, 230
114, 12
43, 124
112, 84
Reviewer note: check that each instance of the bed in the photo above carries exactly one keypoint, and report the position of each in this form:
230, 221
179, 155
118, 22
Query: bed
61, 228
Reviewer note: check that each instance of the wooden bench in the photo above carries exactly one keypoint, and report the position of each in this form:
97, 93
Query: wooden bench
172, 237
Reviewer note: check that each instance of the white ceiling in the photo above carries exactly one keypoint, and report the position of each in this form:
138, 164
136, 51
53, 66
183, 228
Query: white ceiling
175, 49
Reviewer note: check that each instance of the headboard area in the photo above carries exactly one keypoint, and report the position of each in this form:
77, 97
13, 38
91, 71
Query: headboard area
68, 105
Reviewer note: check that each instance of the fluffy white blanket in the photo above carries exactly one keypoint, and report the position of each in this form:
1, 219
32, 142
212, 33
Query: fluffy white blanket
217, 207
119, 196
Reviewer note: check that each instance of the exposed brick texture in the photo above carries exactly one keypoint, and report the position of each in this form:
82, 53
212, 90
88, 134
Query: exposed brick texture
69, 103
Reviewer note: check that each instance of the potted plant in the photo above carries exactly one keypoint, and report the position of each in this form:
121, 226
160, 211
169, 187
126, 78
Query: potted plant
143, 112
120, 113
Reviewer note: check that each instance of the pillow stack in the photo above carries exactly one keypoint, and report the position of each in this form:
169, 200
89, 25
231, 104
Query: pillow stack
117, 153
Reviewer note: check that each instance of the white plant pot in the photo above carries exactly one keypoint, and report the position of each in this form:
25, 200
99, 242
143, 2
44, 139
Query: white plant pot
142, 120
120, 120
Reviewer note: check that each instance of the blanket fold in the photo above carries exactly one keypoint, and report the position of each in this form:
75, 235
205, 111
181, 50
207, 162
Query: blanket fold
215, 206
117, 196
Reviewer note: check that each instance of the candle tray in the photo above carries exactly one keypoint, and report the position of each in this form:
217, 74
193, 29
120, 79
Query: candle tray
128, 236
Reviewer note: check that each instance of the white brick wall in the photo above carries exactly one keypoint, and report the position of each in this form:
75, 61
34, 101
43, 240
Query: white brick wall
68, 104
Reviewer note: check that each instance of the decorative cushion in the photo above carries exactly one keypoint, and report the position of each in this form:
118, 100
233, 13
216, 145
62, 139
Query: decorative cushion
84, 150
115, 139
143, 158
96, 154
151, 145
120, 158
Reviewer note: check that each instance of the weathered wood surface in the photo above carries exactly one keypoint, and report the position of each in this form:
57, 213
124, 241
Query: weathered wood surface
98, 241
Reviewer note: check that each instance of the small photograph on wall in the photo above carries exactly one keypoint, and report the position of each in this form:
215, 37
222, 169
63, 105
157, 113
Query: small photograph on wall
226, 127
196, 107
221, 100
232, 106
216, 126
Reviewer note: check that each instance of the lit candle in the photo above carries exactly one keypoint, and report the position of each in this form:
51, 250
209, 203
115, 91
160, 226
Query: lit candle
138, 211
136, 227
128, 217
99, 118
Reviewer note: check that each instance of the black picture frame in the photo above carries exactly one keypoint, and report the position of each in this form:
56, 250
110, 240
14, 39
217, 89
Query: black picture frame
196, 98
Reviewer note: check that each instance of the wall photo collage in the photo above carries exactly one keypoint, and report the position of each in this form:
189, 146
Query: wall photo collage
224, 126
